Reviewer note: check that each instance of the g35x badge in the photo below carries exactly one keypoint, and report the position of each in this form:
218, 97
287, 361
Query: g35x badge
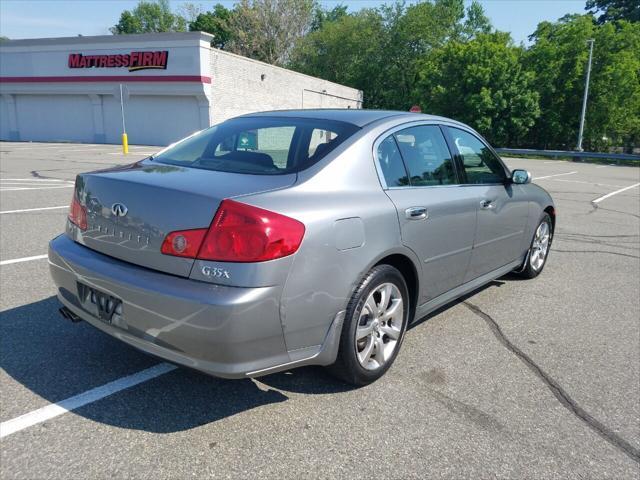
215, 272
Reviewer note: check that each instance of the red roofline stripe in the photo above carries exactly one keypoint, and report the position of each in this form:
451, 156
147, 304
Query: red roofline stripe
108, 78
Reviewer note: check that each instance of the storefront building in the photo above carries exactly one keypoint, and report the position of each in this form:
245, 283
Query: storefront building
172, 84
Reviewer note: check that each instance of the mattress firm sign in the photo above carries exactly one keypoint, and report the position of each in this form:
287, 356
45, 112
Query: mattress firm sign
134, 61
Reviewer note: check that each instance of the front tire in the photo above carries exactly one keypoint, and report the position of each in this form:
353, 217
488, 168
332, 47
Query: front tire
374, 327
539, 249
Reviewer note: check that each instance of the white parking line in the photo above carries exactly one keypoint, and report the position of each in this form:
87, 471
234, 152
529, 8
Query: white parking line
132, 152
14, 189
23, 259
87, 149
51, 411
33, 209
587, 183
556, 175
599, 199
29, 184
33, 180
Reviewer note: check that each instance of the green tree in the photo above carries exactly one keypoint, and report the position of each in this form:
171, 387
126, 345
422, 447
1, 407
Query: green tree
613, 10
347, 51
481, 82
322, 16
378, 50
149, 17
217, 23
476, 21
267, 30
558, 60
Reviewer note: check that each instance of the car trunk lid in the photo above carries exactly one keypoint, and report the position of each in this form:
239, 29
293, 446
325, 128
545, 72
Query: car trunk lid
131, 209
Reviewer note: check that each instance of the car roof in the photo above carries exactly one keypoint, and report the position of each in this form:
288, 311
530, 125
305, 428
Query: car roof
358, 117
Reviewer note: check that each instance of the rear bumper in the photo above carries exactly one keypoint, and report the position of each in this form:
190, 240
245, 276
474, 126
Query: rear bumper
225, 331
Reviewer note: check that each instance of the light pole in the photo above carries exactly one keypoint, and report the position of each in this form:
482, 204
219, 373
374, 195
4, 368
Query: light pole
586, 94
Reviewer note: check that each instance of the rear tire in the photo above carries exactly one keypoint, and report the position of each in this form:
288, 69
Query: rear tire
539, 249
374, 327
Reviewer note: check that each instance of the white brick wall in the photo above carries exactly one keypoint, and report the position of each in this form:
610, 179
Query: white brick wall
240, 85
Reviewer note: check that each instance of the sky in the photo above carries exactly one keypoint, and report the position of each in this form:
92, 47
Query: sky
57, 18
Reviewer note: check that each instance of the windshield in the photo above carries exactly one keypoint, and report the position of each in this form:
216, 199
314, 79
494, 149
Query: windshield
259, 145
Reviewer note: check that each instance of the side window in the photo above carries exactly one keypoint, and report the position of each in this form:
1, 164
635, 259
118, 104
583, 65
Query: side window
480, 164
426, 156
391, 163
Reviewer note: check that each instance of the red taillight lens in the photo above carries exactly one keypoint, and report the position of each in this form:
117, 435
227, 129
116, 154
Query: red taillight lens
243, 233
78, 213
240, 233
185, 243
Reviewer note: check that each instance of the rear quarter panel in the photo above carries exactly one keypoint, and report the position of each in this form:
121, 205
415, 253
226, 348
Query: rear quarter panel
350, 225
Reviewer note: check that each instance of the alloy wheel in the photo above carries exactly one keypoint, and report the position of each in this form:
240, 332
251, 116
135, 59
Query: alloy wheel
379, 326
540, 246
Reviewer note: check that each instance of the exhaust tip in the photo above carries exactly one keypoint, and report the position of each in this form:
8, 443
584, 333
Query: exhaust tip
69, 315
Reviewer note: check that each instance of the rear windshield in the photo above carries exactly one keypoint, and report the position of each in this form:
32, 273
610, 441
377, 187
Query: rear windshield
259, 145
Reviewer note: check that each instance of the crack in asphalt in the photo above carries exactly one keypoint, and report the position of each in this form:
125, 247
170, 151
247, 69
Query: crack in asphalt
598, 251
625, 244
615, 211
568, 234
36, 174
561, 395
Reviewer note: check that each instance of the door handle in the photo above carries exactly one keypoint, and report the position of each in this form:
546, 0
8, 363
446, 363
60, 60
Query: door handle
416, 213
486, 204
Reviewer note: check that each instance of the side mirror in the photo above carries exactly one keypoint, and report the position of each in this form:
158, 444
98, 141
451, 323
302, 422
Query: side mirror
520, 177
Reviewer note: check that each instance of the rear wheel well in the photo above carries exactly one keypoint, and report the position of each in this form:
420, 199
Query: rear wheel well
408, 270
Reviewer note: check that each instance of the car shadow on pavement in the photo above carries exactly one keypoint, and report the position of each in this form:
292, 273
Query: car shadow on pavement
56, 359
495, 283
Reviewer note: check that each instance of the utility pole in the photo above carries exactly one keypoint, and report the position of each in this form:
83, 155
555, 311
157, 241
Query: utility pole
586, 94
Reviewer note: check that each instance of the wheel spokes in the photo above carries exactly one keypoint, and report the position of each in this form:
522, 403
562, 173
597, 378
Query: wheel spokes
385, 296
365, 355
364, 330
380, 351
394, 308
390, 331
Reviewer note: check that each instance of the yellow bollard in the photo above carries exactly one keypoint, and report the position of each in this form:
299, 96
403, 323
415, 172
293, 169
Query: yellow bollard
125, 144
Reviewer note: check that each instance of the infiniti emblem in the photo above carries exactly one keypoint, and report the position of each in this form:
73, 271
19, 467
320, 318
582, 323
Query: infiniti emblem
119, 209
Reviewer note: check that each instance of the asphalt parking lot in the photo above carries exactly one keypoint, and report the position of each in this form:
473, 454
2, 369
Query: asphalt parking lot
523, 379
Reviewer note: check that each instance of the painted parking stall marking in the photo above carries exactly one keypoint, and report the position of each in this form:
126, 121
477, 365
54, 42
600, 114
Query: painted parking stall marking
556, 175
22, 184
56, 409
25, 210
23, 259
604, 197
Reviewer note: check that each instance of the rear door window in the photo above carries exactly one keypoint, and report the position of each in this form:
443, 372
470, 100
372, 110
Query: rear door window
426, 156
259, 145
391, 164
480, 164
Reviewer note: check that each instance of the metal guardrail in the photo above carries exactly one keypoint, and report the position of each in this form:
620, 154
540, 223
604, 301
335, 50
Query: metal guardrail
571, 154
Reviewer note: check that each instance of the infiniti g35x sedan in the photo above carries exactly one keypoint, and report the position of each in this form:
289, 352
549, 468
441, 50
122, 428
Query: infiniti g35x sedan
280, 239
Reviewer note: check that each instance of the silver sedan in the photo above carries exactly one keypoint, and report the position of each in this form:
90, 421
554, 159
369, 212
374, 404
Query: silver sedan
281, 239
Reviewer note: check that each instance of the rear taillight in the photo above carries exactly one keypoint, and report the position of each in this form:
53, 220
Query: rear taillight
78, 213
183, 244
241, 233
